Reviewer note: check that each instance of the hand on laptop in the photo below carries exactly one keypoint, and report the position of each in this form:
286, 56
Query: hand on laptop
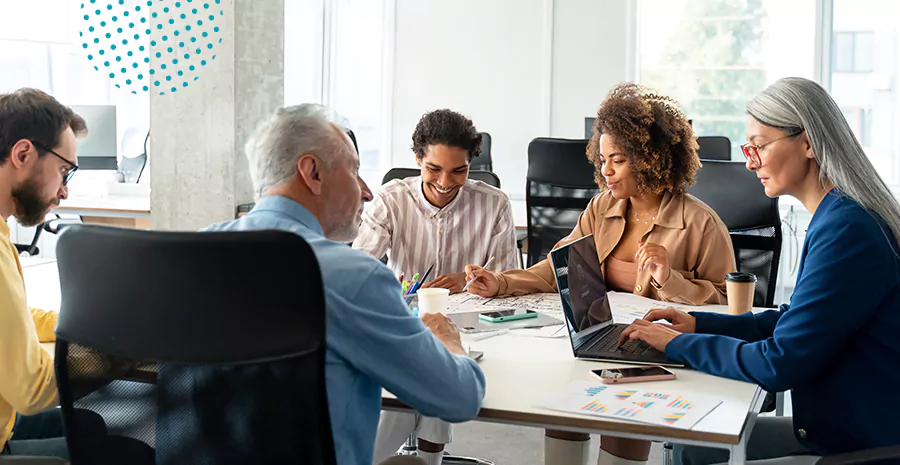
656, 335
654, 258
486, 284
681, 321
454, 282
445, 331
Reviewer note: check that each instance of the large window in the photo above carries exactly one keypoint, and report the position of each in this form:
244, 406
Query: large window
866, 88
335, 52
47, 55
714, 55
852, 52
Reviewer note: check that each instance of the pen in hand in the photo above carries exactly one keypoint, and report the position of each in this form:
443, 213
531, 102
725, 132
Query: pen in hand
490, 260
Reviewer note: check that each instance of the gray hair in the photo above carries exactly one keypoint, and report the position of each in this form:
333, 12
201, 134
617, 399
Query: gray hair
794, 104
277, 144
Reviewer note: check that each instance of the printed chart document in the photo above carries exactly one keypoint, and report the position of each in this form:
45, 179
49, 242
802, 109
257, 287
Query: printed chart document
548, 303
655, 406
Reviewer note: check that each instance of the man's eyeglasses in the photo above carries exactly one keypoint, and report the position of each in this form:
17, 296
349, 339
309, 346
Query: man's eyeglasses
751, 152
72, 166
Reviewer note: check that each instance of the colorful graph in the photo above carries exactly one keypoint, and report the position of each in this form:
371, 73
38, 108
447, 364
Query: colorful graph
644, 404
622, 395
627, 412
656, 395
672, 418
594, 390
595, 407
680, 402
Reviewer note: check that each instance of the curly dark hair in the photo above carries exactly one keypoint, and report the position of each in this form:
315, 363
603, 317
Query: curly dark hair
655, 135
446, 127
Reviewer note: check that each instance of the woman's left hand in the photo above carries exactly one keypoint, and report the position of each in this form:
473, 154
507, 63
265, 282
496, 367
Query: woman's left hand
655, 258
657, 335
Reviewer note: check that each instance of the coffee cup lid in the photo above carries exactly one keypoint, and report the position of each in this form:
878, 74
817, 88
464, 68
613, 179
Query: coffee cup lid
737, 277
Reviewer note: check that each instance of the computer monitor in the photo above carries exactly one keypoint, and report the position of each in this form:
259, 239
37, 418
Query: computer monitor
589, 127
97, 151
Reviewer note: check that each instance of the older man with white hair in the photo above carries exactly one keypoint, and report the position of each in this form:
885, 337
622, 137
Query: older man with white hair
306, 171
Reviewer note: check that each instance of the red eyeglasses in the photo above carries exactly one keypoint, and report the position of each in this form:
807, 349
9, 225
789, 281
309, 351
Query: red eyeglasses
751, 152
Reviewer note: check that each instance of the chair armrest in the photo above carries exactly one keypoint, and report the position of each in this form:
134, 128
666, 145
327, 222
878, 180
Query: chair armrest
56, 225
862, 456
23, 460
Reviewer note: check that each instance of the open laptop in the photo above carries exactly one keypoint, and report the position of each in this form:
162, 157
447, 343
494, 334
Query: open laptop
585, 303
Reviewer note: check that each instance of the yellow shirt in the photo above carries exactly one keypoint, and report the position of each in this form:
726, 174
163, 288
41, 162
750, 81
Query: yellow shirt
27, 379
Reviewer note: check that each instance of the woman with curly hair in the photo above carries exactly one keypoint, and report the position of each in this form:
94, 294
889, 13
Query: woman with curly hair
652, 238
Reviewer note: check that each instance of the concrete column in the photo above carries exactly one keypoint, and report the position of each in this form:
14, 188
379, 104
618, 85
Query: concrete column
199, 173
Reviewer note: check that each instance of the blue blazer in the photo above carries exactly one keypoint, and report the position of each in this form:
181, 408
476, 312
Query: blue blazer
836, 346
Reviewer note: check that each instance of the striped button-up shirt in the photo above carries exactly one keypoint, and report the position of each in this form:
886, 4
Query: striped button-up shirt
476, 225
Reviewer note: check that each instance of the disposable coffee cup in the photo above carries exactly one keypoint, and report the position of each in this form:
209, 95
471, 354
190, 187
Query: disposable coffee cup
740, 287
433, 300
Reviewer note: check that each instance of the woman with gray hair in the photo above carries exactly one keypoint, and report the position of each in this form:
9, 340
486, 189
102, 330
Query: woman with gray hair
835, 346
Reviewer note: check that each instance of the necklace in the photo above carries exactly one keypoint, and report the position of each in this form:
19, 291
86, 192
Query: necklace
650, 214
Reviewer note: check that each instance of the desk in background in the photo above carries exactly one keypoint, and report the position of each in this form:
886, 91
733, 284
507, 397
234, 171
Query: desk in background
124, 211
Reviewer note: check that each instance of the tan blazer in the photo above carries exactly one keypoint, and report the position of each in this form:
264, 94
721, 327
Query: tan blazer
698, 245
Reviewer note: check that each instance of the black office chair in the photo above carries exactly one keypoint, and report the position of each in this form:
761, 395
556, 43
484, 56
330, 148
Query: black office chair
205, 349
483, 161
559, 185
132, 167
28, 460
353, 139
486, 177
751, 217
31, 249
53, 226
714, 148
878, 456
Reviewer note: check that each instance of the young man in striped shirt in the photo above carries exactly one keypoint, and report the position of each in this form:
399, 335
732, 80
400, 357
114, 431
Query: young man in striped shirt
438, 218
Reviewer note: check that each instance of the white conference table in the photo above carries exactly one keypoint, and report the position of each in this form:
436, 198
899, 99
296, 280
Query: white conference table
520, 371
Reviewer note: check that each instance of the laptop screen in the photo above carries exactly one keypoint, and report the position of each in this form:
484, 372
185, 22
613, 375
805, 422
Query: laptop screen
582, 288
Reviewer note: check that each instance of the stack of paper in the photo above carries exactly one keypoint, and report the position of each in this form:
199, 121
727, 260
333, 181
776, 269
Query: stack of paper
653, 406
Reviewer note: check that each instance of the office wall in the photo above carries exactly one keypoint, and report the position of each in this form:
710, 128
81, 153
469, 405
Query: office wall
519, 68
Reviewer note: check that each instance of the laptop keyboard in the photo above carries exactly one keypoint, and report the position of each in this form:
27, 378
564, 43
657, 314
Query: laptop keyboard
609, 342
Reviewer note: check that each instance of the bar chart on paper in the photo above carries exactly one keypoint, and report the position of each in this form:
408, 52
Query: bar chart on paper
594, 406
678, 410
680, 403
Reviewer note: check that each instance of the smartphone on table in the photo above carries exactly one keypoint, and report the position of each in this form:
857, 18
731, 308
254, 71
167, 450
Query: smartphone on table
633, 374
496, 316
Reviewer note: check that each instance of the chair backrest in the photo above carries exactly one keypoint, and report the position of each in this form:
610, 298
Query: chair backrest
353, 139
486, 177
714, 148
204, 348
132, 168
559, 185
483, 161
752, 218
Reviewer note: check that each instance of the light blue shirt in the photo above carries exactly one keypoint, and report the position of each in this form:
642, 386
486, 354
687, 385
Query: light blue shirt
372, 339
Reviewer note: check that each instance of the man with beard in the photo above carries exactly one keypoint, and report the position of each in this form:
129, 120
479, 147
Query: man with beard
306, 171
37, 159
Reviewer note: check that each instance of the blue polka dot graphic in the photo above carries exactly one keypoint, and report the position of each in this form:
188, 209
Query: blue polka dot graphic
128, 40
